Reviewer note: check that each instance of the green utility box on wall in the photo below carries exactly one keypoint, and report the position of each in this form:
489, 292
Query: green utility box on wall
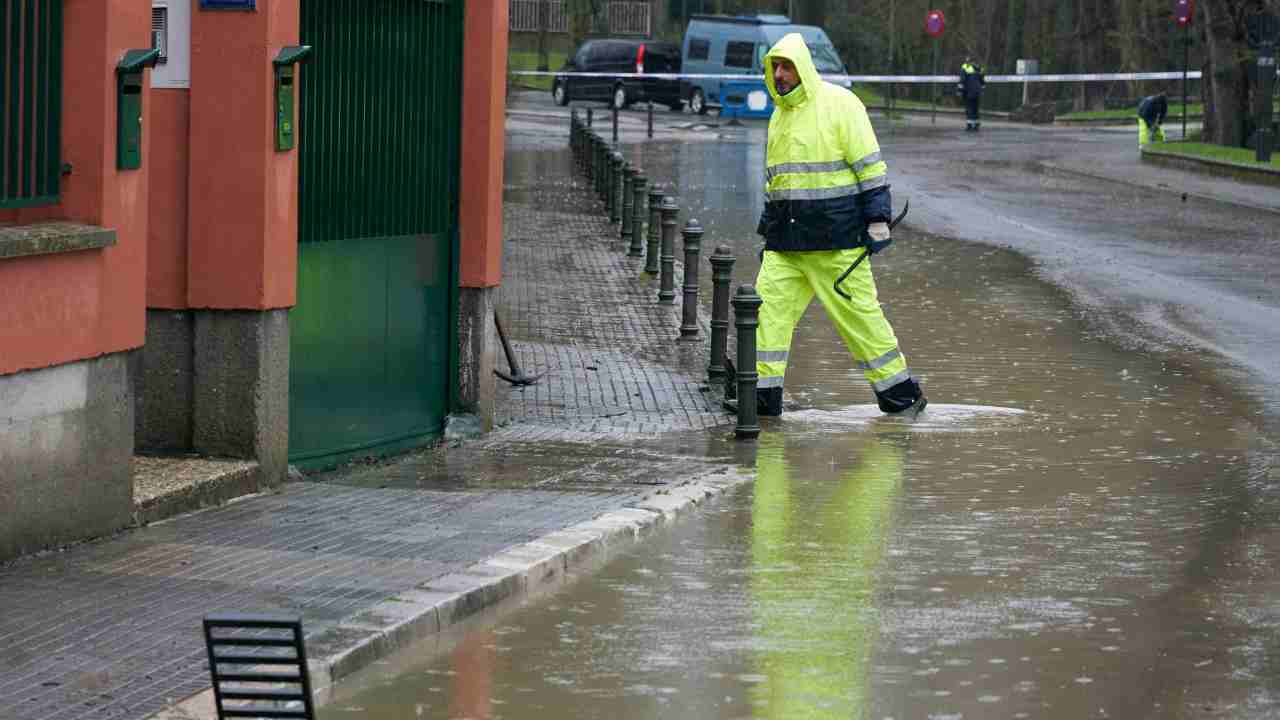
284, 63
129, 81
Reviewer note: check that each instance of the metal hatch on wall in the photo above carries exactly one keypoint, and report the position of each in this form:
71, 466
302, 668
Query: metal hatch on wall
372, 334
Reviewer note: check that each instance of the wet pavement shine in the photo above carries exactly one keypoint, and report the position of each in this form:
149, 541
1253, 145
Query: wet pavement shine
1085, 522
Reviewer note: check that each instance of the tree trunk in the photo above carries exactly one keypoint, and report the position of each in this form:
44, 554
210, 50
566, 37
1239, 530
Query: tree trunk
1226, 79
544, 21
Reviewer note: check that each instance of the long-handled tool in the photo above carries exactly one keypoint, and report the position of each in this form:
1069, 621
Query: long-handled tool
865, 252
516, 377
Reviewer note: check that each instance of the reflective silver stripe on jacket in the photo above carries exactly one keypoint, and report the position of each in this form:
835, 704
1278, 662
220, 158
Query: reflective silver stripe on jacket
773, 356
867, 162
879, 362
887, 383
827, 193
805, 167
813, 193
770, 382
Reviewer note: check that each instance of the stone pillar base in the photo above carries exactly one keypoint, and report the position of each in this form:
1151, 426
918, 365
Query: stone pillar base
477, 345
241, 388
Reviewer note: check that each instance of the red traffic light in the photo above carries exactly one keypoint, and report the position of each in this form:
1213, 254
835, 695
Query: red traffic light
1183, 10
934, 23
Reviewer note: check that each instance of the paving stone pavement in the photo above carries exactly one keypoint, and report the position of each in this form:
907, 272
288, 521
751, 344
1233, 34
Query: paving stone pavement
112, 628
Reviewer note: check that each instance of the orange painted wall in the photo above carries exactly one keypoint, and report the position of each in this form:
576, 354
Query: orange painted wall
483, 117
242, 215
61, 308
169, 167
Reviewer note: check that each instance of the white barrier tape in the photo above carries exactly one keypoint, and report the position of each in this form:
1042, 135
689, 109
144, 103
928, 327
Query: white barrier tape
904, 79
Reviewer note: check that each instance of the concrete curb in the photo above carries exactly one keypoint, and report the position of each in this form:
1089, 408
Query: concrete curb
1218, 168
399, 621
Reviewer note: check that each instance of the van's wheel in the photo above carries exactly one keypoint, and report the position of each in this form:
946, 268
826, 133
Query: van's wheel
697, 102
620, 98
560, 93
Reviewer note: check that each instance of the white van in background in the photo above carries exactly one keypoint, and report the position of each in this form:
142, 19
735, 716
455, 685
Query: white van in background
736, 45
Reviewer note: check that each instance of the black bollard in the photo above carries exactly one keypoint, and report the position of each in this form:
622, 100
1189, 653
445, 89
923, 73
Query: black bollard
573, 134
615, 125
692, 233
615, 189
606, 176
650, 119
588, 117
597, 169
655, 228
628, 194
637, 219
746, 309
602, 165
667, 284
721, 274
611, 185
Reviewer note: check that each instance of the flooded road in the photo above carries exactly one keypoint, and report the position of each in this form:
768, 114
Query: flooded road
1084, 523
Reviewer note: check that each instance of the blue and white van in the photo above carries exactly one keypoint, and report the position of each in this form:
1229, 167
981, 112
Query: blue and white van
736, 45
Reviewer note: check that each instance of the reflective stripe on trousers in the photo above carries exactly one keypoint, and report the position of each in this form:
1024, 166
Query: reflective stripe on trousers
788, 282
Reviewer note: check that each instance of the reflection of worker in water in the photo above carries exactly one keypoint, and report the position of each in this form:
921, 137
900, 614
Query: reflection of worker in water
972, 81
1151, 113
817, 544
828, 204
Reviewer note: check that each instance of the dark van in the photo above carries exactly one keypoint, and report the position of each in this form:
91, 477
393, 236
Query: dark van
621, 58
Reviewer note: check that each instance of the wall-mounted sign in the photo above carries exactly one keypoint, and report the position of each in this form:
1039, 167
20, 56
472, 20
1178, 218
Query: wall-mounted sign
250, 5
934, 23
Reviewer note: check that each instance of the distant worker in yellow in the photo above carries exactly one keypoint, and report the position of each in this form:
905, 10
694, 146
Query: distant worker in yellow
1151, 113
827, 207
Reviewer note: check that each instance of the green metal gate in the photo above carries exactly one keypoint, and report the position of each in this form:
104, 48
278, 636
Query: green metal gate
371, 364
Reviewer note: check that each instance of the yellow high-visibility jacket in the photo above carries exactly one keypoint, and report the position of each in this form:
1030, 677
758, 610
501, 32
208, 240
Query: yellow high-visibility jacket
826, 180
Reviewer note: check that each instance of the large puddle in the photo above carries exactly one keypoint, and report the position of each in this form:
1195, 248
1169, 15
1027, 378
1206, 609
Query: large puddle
1077, 527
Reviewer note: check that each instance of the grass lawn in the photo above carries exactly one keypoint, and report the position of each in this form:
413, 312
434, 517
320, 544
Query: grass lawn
1242, 156
873, 97
520, 60
1175, 112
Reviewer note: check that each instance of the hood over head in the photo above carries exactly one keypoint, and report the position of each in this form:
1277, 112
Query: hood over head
793, 48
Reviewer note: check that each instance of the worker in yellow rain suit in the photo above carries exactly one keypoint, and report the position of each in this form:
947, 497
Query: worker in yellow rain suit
817, 547
827, 202
1151, 113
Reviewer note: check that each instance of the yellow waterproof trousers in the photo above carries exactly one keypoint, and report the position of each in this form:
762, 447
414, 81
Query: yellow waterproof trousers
787, 283
1148, 134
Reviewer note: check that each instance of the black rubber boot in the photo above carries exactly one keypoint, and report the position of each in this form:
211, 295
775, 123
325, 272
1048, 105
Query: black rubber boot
901, 398
769, 402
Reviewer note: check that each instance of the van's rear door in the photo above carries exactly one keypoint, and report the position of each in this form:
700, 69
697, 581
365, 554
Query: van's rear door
661, 58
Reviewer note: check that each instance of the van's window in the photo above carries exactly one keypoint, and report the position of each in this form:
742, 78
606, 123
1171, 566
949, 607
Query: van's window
739, 54
825, 59
699, 48
584, 53
623, 53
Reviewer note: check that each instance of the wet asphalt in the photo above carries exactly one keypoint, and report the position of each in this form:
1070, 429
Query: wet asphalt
1084, 523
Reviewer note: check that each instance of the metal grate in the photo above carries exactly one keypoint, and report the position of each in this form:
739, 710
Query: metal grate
258, 664
629, 18
160, 32
526, 15
31, 78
